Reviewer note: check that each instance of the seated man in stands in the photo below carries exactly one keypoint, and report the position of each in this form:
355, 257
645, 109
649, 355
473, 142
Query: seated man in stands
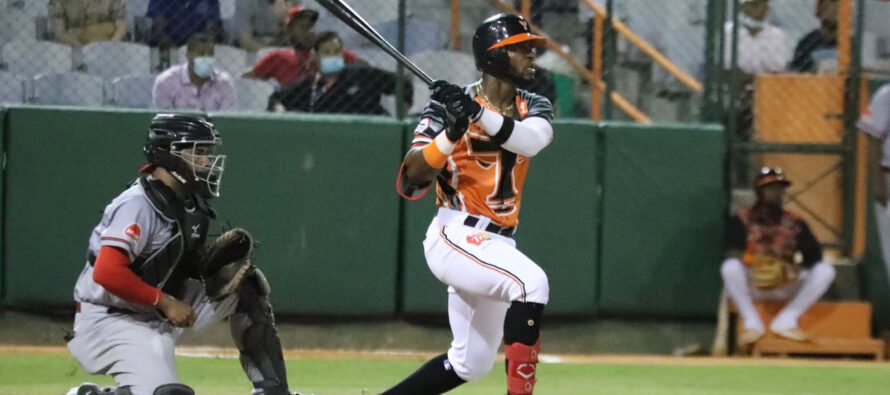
174, 21
287, 66
261, 23
197, 84
773, 255
80, 22
337, 88
819, 45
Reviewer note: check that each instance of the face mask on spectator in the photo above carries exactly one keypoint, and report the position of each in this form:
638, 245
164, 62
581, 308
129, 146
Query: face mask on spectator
204, 66
331, 64
751, 23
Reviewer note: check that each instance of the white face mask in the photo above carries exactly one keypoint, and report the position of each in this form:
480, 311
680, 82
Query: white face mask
203, 66
751, 23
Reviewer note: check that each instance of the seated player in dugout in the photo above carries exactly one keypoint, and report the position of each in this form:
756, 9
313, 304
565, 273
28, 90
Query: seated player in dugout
337, 87
476, 143
149, 276
773, 255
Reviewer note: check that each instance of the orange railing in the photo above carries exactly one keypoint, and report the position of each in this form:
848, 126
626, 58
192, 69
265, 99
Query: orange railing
594, 76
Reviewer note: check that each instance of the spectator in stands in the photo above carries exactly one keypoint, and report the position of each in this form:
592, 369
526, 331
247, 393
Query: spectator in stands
195, 85
174, 21
821, 44
80, 22
762, 49
773, 255
287, 66
761, 46
337, 88
261, 23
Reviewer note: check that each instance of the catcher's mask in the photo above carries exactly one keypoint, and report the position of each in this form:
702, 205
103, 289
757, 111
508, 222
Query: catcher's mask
185, 146
770, 175
492, 38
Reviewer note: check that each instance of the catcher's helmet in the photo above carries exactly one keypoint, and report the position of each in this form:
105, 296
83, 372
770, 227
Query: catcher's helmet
491, 38
184, 145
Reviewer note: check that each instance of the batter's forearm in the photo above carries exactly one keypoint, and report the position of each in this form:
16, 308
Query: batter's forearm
525, 138
417, 170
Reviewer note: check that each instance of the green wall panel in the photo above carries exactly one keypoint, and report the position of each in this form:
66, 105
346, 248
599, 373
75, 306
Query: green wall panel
663, 220
557, 226
319, 196
3, 126
316, 193
63, 167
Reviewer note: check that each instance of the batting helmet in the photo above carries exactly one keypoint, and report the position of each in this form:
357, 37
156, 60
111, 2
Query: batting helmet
184, 145
493, 36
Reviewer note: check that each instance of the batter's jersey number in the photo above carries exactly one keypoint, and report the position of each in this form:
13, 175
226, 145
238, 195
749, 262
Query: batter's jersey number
491, 157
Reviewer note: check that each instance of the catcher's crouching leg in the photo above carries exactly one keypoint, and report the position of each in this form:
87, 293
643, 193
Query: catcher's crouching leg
253, 329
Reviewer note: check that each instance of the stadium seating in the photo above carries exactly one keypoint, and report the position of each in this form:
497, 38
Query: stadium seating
138, 24
452, 66
425, 35
36, 57
109, 59
69, 89
12, 88
231, 59
253, 95
376, 57
132, 91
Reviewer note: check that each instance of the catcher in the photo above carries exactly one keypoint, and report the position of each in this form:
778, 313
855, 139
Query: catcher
773, 255
149, 276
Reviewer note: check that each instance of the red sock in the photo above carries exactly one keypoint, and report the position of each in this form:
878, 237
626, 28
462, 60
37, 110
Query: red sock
522, 364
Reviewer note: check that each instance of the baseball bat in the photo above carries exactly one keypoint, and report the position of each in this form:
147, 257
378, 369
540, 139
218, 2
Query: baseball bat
719, 348
352, 19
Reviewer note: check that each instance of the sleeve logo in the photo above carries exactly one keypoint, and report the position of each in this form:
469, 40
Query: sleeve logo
423, 125
133, 232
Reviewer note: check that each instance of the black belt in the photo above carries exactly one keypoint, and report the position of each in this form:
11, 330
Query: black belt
492, 227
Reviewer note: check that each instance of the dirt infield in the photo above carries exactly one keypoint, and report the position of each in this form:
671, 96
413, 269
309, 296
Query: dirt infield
612, 359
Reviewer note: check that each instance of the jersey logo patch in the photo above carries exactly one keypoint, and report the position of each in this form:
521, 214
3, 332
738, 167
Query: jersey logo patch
133, 232
478, 238
423, 125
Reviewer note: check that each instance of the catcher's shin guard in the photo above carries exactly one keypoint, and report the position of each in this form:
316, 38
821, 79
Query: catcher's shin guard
253, 329
522, 334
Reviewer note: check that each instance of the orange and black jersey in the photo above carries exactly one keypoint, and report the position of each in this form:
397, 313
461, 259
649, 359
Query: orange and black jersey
481, 177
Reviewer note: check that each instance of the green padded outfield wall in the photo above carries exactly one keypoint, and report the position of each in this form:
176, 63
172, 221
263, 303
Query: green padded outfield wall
63, 166
315, 192
320, 194
663, 219
557, 226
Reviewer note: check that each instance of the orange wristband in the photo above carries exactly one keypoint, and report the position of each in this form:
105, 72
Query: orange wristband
434, 156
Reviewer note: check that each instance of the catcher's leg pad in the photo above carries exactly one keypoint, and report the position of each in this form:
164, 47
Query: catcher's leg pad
253, 330
522, 364
174, 389
227, 263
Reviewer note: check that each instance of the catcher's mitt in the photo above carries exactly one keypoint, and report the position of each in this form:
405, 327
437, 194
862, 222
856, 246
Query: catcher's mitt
770, 272
227, 263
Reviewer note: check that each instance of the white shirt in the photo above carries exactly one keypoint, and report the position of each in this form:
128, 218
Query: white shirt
767, 52
876, 121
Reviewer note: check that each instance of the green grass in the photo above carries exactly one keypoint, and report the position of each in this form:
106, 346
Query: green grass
54, 374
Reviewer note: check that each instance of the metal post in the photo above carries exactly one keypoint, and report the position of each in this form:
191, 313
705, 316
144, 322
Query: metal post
732, 113
851, 113
400, 70
455, 25
610, 52
712, 34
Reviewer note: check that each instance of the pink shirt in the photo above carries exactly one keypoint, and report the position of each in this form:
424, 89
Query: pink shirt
174, 90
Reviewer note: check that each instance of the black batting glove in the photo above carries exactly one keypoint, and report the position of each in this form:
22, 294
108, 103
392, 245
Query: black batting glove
455, 129
457, 103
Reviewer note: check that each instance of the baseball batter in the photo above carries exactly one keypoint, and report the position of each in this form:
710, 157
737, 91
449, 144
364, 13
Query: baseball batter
146, 278
476, 142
